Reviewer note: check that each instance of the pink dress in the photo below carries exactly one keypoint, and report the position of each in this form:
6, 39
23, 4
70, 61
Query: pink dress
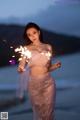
41, 88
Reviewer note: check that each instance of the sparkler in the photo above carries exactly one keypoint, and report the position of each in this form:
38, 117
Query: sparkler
24, 52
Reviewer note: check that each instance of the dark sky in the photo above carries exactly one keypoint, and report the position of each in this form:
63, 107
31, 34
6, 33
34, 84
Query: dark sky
62, 16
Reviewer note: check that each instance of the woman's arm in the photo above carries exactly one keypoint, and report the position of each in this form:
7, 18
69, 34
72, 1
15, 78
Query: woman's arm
21, 66
55, 66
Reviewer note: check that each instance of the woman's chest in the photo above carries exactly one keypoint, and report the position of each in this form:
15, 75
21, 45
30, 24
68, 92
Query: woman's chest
39, 58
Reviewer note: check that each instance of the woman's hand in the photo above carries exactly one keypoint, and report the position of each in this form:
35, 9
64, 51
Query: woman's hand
55, 66
58, 64
20, 69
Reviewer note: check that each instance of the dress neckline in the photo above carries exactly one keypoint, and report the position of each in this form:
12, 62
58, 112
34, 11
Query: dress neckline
39, 50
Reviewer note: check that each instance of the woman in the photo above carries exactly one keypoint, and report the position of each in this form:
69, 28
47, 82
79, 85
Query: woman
41, 86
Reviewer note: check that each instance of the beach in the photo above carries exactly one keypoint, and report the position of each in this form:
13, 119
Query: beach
67, 80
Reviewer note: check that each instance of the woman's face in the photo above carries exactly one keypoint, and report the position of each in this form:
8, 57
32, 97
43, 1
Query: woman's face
33, 34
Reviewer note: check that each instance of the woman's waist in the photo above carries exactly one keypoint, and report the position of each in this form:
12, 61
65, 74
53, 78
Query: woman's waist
40, 81
38, 70
41, 76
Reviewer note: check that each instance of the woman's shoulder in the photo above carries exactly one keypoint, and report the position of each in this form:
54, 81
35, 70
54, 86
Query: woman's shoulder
48, 46
28, 47
51, 49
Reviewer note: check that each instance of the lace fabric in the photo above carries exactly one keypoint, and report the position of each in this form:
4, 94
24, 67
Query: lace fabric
41, 88
23, 79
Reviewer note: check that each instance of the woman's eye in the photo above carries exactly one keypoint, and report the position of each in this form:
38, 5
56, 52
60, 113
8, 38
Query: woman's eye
34, 33
29, 35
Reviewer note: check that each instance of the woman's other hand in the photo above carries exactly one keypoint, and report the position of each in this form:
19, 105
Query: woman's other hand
58, 64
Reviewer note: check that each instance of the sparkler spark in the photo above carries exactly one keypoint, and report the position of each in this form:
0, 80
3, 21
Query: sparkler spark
11, 46
24, 52
13, 56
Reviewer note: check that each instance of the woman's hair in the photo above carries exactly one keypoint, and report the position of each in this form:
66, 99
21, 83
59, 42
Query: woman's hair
31, 25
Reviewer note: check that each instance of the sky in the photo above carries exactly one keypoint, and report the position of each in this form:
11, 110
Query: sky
62, 16
21, 8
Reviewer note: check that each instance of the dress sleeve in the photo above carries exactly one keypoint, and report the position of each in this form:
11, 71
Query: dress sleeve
49, 47
51, 50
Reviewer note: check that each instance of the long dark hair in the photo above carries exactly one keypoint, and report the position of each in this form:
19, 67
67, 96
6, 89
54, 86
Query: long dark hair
31, 25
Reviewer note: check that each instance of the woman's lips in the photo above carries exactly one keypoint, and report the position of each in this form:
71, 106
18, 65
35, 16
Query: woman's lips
34, 39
